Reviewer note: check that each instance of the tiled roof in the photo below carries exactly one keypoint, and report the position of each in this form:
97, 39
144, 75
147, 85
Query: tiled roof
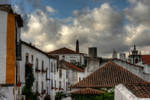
146, 59
63, 51
69, 65
109, 75
87, 91
141, 90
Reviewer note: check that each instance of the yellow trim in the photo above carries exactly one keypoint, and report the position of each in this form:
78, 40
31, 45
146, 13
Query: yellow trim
10, 54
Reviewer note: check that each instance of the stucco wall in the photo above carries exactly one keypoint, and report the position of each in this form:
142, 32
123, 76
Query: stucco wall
39, 76
6, 93
3, 29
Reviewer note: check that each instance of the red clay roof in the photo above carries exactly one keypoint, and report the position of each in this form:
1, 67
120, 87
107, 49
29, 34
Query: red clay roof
63, 51
146, 59
109, 75
141, 90
87, 91
69, 65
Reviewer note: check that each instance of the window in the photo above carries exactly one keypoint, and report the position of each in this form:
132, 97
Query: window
27, 58
54, 68
59, 84
136, 60
36, 86
32, 59
67, 73
37, 63
51, 67
42, 86
79, 79
51, 84
73, 61
42, 65
55, 83
60, 73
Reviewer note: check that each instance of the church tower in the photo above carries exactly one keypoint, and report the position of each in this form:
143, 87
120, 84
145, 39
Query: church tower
77, 46
135, 57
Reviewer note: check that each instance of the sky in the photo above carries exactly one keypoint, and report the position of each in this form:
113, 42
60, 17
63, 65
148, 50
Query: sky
105, 24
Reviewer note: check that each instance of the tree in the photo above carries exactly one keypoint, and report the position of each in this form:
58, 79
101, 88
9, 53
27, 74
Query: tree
29, 79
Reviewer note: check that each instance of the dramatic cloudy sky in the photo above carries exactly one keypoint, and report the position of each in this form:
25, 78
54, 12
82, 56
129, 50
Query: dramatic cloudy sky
106, 24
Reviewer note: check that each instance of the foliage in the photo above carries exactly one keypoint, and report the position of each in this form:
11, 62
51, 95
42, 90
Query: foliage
29, 79
47, 97
108, 95
60, 95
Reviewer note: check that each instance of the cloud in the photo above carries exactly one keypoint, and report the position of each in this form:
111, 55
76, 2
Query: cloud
50, 9
103, 27
138, 16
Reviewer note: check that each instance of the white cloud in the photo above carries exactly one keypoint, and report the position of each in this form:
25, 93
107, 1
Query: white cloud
102, 27
50, 9
138, 16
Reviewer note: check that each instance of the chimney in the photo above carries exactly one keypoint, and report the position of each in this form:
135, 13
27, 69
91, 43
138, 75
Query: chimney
77, 46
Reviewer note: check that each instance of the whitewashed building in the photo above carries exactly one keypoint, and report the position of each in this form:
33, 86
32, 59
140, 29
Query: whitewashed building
42, 65
74, 60
10, 27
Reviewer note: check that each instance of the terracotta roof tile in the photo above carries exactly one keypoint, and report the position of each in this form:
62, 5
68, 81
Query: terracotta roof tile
141, 90
109, 75
146, 59
63, 51
87, 91
69, 65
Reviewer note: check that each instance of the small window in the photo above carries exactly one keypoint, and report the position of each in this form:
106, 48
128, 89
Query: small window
59, 84
32, 58
136, 60
51, 67
42, 65
55, 83
51, 84
42, 86
37, 86
37, 63
79, 79
27, 58
60, 73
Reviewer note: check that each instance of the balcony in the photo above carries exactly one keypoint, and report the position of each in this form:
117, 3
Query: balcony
37, 70
44, 70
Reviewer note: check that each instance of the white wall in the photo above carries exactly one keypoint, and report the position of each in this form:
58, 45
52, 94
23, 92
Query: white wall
39, 76
68, 57
6, 93
3, 29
